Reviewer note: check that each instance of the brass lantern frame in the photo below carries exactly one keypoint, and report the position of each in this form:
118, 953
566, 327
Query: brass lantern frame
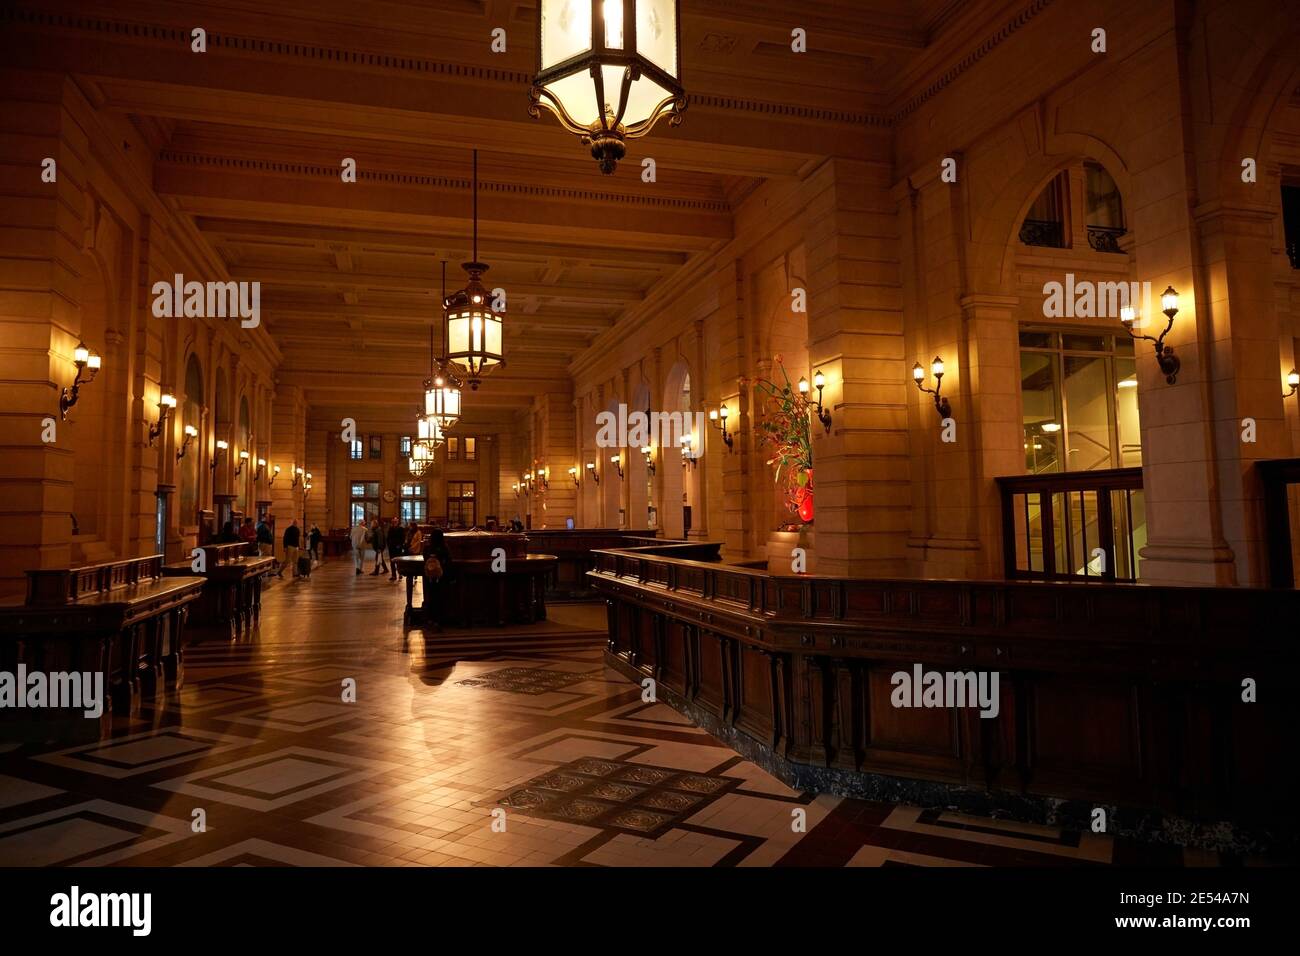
608, 136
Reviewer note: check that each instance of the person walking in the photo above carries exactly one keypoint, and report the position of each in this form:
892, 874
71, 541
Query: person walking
396, 540
266, 542
378, 541
360, 535
313, 540
292, 539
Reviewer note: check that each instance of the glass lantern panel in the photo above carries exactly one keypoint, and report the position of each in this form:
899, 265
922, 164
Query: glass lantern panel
612, 11
577, 94
656, 33
566, 30
458, 333
451, 402
643, 97
493, 335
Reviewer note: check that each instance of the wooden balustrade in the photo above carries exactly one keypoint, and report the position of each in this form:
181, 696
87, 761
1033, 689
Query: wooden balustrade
1124, 696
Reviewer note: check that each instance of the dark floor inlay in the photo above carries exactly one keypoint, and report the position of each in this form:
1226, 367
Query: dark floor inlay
528, 680
615, 795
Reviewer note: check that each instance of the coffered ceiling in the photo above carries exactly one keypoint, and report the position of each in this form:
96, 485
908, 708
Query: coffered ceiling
248, 139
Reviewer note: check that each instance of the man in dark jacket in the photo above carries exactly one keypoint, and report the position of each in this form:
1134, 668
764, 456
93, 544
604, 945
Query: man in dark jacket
396, 545
292, 538
438, 576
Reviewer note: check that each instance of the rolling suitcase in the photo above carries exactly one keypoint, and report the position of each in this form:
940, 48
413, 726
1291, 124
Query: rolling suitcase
304, 566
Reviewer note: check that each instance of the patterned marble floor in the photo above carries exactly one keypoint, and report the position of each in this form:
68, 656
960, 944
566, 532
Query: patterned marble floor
463, 748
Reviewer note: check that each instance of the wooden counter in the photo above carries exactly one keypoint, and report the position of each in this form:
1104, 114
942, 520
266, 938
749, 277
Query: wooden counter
231, 600
119, 618
474, 594
573, 550
1122, 696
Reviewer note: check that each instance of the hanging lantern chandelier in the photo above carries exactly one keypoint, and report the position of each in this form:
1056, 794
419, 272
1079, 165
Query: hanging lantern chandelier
441, 408
441, 388
609, 70
423, 447
473, 319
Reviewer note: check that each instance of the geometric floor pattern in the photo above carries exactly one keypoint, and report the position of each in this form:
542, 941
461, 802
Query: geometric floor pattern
484, 747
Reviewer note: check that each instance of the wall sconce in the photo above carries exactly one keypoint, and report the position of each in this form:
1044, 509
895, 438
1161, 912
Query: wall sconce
649, 458
261, 467
527, 483
819, 382
216, 455
592, 473
688, 452
191, 433
718, 418
543, 478
1165, 357
243, 460
275, 473
573, 473
1293, 380
297, 478
166, 402
617, 462
936, 369
83, 359
514, 486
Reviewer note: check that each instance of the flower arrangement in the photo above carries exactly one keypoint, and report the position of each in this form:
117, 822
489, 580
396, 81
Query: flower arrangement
783, 427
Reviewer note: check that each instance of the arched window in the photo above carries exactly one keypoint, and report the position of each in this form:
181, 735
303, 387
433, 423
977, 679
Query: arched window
1105, 213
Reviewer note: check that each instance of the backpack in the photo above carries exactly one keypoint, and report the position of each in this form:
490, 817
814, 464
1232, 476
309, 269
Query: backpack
432, 568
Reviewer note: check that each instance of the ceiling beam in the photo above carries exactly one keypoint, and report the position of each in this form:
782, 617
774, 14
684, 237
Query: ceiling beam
253, 233
424, 283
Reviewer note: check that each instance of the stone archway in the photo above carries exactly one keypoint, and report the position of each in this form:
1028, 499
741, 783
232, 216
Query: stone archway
640, 496
680, 483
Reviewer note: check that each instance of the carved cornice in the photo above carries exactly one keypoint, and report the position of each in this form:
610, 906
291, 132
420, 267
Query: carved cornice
991, 43
425, 181
419, 66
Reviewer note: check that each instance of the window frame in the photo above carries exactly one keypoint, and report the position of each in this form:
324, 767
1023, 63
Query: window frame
1058, 352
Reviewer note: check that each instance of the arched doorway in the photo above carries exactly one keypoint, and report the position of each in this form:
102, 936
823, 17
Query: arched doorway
680, 484
642, 511
87, 426
191, 418
242, 438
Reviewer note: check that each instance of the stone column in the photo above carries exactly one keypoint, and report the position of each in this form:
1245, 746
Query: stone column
39, 321
855, 335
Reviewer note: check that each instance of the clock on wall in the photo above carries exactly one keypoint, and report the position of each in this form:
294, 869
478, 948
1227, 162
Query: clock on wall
389, 496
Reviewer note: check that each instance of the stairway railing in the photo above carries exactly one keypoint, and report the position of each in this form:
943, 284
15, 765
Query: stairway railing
1053, 525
